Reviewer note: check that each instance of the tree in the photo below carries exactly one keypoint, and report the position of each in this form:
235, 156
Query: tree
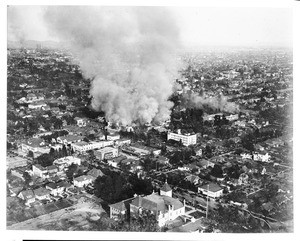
52, 152
228, 219
30, 154
234, 171
144, 222
140, 186
45, 160
104, 188
27, 178
163, 148
71, 171
64, 151
248, 142
208, 151
217, 171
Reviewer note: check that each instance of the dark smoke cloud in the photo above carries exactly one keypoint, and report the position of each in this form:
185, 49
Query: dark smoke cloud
130, 53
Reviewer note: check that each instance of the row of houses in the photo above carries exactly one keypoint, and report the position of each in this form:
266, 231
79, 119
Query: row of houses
53, 189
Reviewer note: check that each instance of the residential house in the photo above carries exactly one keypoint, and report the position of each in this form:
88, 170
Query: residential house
14, 191
232, 117
37, 105
199, 151
57, 188
69, 139
261, 156
162, 160
113, 137
52, 170
44, 172
184, 168
120, 209
203, 164
80, 122
64, 162
83, 180
243, 179
115, 161
31, 97
46, 108
193, 179
95, 173
246, 155
39, 171
122, 142
212, 190
276, 142
42, 193
28, 196
117, 210
35, 145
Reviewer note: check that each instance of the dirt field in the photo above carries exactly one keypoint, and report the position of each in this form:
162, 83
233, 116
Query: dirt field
71, 218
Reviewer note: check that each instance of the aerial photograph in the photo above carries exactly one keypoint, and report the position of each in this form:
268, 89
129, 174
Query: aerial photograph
149, 119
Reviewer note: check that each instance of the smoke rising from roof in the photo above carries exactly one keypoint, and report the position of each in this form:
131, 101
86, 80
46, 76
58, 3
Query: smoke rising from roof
130, 54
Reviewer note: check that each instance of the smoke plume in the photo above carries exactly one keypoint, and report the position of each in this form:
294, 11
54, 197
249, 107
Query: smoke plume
217, 103
129, 53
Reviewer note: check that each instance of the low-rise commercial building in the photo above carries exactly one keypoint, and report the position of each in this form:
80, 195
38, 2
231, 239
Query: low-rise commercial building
106, 153
186, 139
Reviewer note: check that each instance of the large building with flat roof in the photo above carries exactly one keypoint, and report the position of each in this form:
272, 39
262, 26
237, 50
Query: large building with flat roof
106, 153
186, 139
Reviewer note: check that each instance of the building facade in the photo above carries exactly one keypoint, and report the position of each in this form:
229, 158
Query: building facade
106, 153
186, 139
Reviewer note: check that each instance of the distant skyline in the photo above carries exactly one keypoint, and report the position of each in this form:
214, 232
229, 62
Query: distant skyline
198, 26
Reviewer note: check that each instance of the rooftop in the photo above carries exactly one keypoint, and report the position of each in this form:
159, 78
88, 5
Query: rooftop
212, 187
166, 187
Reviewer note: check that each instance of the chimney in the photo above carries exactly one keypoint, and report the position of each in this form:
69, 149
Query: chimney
105, 133
179, 131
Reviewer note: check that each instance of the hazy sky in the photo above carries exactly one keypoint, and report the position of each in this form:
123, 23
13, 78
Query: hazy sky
198, 26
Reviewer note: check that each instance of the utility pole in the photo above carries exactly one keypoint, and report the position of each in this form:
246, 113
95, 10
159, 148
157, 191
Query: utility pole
207, 201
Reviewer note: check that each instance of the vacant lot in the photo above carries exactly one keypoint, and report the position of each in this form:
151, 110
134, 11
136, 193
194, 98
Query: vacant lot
69, 218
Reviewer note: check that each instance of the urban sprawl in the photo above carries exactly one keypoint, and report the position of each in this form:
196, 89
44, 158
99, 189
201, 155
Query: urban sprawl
204, 170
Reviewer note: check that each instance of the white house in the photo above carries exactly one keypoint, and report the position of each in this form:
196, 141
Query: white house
261, 156
39, 171
28, 196
113, 137
64, 162
211, 189
83, 180
34, 145
246, 155
232, 117
37, 105
57, 188
80, 122
122, 142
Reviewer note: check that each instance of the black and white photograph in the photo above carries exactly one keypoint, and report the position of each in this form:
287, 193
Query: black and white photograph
149, 118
